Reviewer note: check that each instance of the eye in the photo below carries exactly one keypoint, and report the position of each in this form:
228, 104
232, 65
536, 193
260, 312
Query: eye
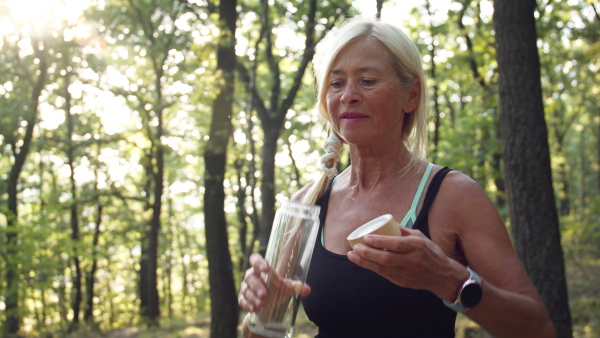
368, 82
337, 84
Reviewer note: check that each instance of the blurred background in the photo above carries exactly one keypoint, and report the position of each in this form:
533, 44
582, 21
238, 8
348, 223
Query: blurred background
145, 144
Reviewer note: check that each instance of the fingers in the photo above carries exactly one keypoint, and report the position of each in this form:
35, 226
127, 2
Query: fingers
253, 290
391, 251
247, 299
385, 263
411, 260
357, 259
408, 242
258, 263
298, 288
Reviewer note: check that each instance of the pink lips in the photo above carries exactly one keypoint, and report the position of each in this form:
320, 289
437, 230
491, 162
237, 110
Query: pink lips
348, 116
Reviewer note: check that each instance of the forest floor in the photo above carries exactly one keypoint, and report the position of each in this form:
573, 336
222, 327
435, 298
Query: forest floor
304, 329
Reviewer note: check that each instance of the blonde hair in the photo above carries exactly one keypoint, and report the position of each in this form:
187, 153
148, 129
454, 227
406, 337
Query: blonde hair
406, 60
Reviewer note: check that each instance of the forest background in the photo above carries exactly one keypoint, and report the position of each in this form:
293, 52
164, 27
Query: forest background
116, 115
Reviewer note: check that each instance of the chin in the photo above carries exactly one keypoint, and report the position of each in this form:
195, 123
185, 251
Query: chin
357, 139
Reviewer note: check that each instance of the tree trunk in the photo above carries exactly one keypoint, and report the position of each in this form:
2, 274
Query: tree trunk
378, 8
224, 308
267, 188
77, 292
532, 208
149, 300
273, 119
90, 279
11, 249
432, 76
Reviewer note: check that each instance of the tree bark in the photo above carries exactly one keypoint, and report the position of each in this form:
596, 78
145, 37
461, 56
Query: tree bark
77, 292
148, 287
378, 8
149, 299
90, 278
273, 118
224, 308
532, 208
11, 249
432, 76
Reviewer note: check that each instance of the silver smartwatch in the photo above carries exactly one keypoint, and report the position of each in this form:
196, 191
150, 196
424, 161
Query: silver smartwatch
469, 294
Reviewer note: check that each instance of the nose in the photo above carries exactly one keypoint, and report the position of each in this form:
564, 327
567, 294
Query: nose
351, 95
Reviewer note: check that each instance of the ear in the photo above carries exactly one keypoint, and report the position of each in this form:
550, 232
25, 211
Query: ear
413, 97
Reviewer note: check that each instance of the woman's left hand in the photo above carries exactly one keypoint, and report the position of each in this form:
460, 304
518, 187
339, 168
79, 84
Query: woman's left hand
411, 260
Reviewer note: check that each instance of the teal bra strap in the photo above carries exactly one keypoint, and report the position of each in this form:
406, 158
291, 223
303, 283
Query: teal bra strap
411, 216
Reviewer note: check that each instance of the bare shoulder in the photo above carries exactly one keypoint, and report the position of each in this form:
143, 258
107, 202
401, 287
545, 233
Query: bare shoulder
299, 195
481, 239
458, 184
464, 200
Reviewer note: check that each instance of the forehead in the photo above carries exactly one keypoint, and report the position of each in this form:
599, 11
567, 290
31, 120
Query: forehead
362, 55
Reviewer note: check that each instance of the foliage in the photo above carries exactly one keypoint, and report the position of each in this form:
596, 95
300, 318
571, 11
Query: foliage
106, 67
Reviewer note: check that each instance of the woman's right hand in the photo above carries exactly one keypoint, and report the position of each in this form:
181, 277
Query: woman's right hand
253, 291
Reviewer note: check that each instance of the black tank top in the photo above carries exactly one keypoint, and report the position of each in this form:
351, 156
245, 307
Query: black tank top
348, 301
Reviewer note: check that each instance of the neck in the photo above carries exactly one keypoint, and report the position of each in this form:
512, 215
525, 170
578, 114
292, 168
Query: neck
371, 168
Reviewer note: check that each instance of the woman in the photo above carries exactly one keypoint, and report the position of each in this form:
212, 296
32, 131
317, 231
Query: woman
454, 254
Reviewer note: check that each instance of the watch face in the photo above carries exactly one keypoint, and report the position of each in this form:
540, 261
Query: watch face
470, 295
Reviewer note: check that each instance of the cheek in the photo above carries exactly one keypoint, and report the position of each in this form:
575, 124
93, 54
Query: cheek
332, 102
332, 106
386, 114
389, 105
383, 109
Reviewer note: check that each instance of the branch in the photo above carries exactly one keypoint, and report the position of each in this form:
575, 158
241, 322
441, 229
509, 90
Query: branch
257, 101
146, 25
309, 52
472, 61
596, 12
294, 165
272, 63
35, 98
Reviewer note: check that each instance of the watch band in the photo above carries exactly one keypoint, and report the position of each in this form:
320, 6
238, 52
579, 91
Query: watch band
457, 305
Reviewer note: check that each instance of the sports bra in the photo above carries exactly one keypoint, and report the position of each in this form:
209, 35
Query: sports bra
348, 301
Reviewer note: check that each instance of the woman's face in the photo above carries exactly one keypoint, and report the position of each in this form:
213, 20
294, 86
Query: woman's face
365, 98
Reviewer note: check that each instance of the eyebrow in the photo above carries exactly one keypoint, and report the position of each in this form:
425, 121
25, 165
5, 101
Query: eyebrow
359, 70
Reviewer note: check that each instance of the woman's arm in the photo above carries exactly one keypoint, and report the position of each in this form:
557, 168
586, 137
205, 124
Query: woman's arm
510, 306
466, 230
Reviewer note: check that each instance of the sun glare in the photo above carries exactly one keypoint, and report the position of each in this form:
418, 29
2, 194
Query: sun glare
39, 16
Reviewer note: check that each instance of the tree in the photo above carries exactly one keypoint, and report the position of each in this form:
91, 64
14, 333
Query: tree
18, 133
460, 58
74, 207
533, 212
277, 94
153, 32
224, 309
